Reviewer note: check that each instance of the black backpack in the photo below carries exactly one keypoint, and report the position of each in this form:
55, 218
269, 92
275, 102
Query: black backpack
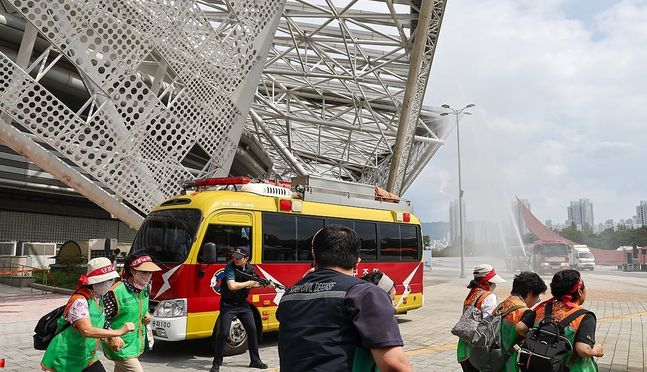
546, 348
47, 327
487, 353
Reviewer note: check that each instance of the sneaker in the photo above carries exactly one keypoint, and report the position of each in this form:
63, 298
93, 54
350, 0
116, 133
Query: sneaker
259, 365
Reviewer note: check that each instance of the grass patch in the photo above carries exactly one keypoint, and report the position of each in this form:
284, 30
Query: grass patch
62, 278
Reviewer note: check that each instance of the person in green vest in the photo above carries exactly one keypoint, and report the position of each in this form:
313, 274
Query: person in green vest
526, 289
74, 349
127, 301
569, 293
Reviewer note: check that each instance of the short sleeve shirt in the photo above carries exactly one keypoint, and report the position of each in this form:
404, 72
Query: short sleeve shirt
371, 312
585, 333
230, 273
78, 310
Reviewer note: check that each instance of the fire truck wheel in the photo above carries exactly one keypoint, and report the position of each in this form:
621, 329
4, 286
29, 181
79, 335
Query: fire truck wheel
236, 342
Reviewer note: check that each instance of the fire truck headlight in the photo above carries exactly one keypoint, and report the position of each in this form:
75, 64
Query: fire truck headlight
564, 264
545, 263
171, 308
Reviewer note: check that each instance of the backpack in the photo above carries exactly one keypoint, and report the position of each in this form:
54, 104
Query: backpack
468, 322
546, 348
47, 327
486, 352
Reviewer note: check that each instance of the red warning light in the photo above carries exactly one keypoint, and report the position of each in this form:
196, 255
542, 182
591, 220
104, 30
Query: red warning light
406, 217
285, 205
201, 182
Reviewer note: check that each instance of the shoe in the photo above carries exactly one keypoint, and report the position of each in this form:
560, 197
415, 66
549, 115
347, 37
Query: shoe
259, 365
215, 368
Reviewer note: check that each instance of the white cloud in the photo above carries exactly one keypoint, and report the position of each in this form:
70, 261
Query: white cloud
560, 110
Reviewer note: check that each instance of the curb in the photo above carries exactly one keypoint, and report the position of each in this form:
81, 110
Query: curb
49, 288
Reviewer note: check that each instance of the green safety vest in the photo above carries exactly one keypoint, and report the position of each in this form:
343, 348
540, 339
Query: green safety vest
69, 351
131, 307
463, 348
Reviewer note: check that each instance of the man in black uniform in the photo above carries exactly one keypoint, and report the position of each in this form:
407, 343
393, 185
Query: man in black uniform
233, 303
331, 321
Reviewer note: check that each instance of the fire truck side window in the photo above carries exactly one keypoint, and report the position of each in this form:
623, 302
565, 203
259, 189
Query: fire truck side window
367, 232
409, 237
306, 229
279, 237
288, 238
390, 245
226, 238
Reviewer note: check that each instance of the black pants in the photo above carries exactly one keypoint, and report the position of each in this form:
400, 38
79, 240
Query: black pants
244, 314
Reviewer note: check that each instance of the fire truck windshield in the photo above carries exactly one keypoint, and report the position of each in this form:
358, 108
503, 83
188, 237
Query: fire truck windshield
554, 249
168, 235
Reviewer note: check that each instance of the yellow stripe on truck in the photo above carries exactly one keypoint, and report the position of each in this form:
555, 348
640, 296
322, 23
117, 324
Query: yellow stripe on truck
200, 325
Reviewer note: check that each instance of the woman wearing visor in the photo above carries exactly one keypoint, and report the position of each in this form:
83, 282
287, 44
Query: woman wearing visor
75, 348
127, 301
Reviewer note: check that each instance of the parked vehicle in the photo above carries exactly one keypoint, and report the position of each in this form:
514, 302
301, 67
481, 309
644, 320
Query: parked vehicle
192, 235
582, 258
549, 256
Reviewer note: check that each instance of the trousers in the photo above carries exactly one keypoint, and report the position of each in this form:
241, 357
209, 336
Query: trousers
227, 314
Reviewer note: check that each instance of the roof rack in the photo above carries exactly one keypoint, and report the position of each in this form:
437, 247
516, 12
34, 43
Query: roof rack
333, 191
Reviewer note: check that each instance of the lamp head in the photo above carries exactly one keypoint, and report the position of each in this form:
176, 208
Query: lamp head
444, 113
470, 105
445, 106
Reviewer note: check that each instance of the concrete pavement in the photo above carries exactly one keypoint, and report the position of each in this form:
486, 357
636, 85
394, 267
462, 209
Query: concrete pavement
620, 302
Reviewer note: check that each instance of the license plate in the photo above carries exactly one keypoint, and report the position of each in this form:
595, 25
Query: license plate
160, 324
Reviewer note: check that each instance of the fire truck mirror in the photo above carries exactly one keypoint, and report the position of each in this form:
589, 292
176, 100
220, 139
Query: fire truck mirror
209, 254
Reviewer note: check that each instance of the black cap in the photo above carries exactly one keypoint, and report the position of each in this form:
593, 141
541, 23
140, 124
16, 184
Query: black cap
241, 252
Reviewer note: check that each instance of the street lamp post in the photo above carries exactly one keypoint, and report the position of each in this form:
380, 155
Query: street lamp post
457, 114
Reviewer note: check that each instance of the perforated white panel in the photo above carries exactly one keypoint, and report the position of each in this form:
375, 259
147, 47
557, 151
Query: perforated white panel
132, 135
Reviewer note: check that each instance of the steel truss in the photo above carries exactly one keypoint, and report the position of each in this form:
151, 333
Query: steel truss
331, 95
116, 97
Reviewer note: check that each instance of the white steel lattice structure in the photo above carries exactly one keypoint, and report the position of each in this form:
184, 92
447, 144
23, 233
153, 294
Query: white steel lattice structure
129, 135
125, 99
335, 84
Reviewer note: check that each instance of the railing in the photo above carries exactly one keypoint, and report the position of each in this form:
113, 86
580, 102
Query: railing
16, 267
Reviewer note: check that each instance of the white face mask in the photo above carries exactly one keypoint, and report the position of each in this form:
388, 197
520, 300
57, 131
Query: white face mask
102, 288
492, 287
141, 278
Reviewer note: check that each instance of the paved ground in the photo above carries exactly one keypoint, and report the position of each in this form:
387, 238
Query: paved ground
618, 299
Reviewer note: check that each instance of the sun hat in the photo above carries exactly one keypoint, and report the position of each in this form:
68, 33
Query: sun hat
486, 273
99, 270
144, 263
241, 252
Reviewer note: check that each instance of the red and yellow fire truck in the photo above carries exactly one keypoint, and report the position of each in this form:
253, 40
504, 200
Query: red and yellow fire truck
277, 222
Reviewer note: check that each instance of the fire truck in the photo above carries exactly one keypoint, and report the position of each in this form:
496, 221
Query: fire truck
191, 237
549, 256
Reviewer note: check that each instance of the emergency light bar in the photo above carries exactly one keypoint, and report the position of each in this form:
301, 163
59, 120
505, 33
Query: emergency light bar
221, 181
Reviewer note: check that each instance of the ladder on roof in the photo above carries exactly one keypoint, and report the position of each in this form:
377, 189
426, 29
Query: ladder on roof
338, 192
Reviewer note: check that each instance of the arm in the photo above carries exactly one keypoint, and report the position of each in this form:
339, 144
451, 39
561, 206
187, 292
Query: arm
521, 329
391, 359
489, 304
235, 286
527, 320
586, 351
87, 330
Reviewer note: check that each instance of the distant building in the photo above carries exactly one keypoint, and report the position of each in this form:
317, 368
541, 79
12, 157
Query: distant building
608, 224
454, 228
641, 213
581, 214
549, 223
518, 218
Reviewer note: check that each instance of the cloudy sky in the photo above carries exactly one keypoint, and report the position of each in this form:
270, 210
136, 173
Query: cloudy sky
561, 95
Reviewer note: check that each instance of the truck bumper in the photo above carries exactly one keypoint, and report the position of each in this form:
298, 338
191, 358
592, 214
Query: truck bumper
169, 329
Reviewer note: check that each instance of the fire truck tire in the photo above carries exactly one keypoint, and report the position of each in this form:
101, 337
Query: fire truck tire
236, 342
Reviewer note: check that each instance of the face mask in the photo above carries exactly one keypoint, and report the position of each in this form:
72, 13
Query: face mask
492, 287
102, 288
141, 279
